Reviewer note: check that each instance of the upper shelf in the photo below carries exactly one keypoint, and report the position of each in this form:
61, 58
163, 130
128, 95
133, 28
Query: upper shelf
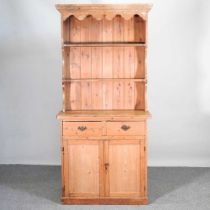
103, 44
100, 11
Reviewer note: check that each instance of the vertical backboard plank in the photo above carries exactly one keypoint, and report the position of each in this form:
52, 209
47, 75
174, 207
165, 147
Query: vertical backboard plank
128, 51
129, 86
96, 36
75, 93
75, 66
107, 94
85, 51
107, 51
139, 32
107, 65
96, 64
118, 64
129, 94
118, 95
86, 64
86, 95
118, 52
97, 98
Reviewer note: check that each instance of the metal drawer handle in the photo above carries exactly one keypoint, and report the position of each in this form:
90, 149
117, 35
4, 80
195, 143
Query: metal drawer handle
82, 128
125, 127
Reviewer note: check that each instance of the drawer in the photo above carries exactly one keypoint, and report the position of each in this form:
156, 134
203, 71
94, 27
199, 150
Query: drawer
82, 128
125, 128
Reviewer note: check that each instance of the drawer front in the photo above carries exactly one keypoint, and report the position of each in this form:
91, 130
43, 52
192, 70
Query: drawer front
125, 128
82, 128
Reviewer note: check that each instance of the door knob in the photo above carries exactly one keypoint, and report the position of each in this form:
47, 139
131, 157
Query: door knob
106, 166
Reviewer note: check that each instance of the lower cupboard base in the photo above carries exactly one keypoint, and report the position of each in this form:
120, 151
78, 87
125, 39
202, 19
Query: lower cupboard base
106, 201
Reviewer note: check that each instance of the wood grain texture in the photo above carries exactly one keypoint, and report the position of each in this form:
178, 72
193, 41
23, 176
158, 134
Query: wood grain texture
65, 169
125, 128
99, 11
96, 64
83, 168
107, 65
75, 33
124, 168
103, 138
86, 102
82, 128
74, 99
104, 118
139, 62
105, 44
101, 115
85, 64
105, 201
104, 95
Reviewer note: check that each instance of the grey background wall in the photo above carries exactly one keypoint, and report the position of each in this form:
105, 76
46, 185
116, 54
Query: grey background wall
178, 89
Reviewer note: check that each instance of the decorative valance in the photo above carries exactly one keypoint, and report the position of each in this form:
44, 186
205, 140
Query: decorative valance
100, 11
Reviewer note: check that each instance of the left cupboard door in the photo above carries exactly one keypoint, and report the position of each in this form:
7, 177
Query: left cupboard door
81, 168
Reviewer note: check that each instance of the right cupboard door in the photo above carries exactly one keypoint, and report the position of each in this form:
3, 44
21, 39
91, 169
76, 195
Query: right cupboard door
125, 168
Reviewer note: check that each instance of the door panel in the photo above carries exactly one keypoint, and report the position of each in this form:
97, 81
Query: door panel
124, 168
83, 167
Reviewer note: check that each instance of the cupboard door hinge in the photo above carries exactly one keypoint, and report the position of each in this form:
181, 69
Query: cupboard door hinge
145, 148
62, 149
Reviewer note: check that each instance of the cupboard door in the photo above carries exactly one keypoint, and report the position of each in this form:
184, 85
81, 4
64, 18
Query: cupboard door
81, 168
124, 168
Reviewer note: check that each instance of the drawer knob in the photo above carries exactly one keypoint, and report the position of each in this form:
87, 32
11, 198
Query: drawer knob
125, 127
82, 128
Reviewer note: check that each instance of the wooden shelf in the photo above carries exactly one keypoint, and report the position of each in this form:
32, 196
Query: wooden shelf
104, 114
104, 44
103, 79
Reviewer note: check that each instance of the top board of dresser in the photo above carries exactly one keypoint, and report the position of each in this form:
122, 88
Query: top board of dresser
129, 115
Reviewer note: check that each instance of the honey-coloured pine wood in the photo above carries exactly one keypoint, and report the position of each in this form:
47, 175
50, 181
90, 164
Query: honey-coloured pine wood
103, 121
83, 158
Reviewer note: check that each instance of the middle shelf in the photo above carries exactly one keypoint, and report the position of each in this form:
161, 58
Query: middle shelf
104, 44
65, 80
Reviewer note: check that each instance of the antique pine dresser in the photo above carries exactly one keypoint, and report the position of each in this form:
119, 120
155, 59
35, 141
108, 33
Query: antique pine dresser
104, 117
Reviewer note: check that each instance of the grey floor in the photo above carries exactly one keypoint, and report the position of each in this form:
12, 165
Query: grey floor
38, 187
